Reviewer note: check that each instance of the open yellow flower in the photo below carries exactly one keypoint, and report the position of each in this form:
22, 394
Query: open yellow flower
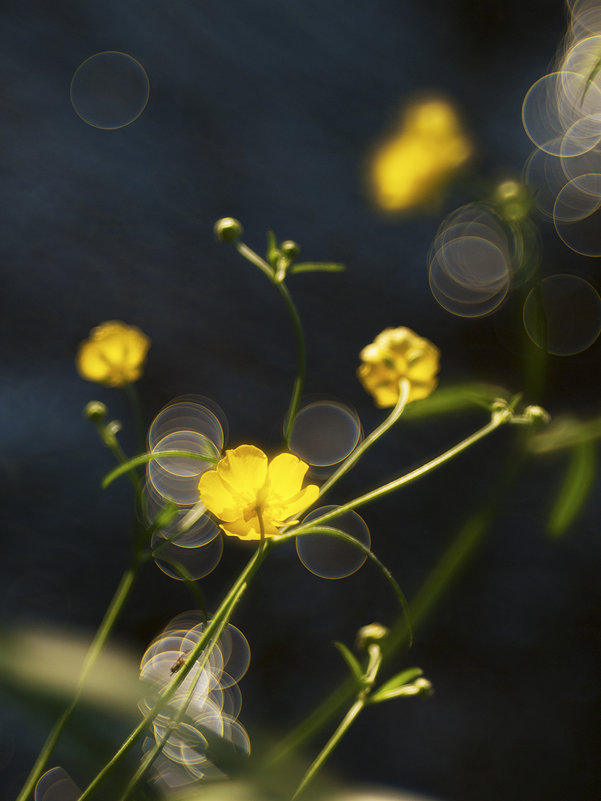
394, 354
247, 491
114, 354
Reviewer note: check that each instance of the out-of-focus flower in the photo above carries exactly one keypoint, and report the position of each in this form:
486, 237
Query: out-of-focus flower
411, 167
394, 354
246, 489
114, 354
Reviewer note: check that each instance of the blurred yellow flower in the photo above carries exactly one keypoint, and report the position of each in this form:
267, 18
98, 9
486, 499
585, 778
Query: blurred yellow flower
114, 354
394, 354
411, 168
246, 489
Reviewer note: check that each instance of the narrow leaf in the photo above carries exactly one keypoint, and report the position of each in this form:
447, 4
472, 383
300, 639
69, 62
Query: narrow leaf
575, 489
351, 660
273, 254
143, 458
317, 267
384, 691
456, 398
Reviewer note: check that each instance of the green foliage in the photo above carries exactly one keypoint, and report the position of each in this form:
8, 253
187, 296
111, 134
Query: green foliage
317, 267
351, 660
575, 489
456, 398
396, 686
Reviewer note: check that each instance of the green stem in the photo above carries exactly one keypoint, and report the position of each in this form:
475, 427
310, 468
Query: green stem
498, 419
136, 406
213, 629
439, 580
278, 281
404, 389
375, 660
129, 464
101, 636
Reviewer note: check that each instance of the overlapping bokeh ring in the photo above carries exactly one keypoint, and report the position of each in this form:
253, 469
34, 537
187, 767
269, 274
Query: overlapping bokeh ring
109, 90
325, 432
191, 423
576, 214
331, 557
56, 785
210, 694
183, 563
563, 315
470, 262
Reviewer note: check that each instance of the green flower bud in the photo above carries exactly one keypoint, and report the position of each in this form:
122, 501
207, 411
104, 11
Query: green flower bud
369, 634
227, 229
290, 249
95, 411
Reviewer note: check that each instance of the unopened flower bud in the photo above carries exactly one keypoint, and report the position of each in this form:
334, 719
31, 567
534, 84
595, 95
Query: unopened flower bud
95, 411
290, 249
369, 634
227, 229
423, 687
537, 413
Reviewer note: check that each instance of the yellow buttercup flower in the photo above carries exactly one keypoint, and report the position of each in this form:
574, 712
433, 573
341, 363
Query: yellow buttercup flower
114, 354
394, 354
411, 168
246, 490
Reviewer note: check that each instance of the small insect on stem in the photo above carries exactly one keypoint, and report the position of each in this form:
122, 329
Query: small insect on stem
179, 662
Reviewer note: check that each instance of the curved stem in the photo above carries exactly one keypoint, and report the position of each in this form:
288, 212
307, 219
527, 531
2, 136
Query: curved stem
439, 580
299, 381
278, 281
113, 611
128, 465
334, 532
136, 406
404, 389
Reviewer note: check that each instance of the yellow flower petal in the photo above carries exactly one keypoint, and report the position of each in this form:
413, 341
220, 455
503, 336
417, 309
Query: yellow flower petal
246, 491
244, 471
281, 512
285, 475
218, 497
249, 529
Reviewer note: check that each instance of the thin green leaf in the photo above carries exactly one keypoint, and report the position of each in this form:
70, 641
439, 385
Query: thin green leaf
351, 660
456, 398
272, 254
387, 690
143, 458
317, 267
575, 489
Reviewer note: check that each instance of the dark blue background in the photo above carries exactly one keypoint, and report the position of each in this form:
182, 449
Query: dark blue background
267, 110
